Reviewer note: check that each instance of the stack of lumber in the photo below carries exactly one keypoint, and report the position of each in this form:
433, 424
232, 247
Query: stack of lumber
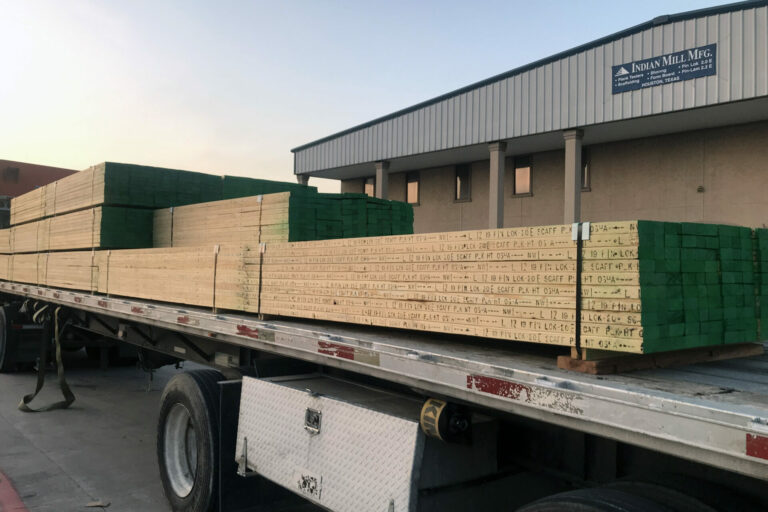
280, 217
233, 187
5, 241
217, 276
5, 249
761, 280
118, 184
515, 284
635, 287
659, 286
101, 227
214, 276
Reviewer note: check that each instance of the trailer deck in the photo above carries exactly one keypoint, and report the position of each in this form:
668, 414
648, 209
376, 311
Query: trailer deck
714, 413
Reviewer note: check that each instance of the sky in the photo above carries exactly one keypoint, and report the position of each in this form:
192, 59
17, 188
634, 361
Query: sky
230, 87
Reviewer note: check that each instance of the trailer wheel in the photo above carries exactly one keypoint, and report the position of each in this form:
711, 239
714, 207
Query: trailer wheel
8, 347
594, 500
188, 440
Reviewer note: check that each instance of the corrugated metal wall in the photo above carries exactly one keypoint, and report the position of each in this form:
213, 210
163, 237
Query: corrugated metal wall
568, 93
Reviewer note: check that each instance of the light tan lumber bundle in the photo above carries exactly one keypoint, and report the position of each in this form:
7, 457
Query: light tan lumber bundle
77, 191
232, 221
5, 266
5, 241
31, 237
27, 268
516, 284
115, 184
72, 270
100, 227
225, 277
203, 276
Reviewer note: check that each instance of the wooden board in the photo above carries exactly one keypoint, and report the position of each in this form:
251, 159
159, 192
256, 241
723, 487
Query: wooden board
627, 363
5, 241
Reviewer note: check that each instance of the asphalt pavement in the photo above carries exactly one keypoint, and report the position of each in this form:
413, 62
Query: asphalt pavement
100, 451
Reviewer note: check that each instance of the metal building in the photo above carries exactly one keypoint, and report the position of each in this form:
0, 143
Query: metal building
667, 120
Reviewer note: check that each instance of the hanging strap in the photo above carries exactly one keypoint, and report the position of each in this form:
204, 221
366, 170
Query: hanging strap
69, 397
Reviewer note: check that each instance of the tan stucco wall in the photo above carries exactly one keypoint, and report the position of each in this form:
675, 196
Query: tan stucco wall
654, 178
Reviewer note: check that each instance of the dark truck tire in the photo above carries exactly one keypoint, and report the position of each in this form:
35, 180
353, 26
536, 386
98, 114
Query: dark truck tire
188, 440
595, 500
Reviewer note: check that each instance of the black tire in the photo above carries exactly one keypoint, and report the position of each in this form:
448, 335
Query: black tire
188, 459
594, 500
8, 346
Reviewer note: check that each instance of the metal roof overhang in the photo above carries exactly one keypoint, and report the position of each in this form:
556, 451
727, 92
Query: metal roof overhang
682, 121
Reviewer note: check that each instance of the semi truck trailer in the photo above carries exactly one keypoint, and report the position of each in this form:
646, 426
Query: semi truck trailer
354, 418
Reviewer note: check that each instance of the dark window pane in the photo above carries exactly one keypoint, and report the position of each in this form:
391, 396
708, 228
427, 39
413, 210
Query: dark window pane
585, 170
463, 174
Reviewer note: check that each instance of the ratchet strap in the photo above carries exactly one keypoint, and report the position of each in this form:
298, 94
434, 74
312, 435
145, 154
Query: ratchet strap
40, 317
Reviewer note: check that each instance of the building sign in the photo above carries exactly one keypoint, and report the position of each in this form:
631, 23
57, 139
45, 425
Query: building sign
665, 69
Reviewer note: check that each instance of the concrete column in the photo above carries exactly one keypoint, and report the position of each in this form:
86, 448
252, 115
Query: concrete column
303, 179
496, 193
572, 199
382, 180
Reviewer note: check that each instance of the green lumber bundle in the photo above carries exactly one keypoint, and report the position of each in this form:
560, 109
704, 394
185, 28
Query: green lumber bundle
299, 215
106, 227
668, 286
117, 184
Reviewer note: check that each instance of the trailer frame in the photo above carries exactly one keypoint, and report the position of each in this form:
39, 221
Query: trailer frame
714, 414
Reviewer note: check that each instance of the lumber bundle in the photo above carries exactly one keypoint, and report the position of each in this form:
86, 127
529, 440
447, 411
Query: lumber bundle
636, 287
118, 184
100, 227
280, 217
214, 276
234, 221
5, 267
660, 286
515, 284
5, 241
761, 280
224, 277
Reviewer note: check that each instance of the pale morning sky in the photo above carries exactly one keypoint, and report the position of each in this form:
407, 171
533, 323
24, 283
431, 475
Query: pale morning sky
229, 87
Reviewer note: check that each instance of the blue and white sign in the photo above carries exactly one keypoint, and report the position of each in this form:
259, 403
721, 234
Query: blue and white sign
665, 69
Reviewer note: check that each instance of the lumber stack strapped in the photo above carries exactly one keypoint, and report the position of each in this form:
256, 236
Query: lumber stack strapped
101, 227
515, 284
117, 184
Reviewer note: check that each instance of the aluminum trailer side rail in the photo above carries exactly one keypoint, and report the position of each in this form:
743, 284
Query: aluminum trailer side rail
715, 413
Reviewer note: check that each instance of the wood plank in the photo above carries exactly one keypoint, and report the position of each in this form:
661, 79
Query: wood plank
627, 363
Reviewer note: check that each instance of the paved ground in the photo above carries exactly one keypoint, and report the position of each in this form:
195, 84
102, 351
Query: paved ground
101, 449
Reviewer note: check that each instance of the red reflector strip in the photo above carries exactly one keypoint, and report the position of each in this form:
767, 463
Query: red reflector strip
333, 349
757, 446
499, 387
244, 330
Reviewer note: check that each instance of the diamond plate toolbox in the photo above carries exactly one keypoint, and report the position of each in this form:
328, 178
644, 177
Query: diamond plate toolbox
359, 450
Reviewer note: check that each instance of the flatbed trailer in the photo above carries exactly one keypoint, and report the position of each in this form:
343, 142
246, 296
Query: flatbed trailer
708, 420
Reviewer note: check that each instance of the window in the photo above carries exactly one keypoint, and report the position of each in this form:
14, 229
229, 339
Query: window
412, 188
522, 177
369, 187
463, 177
586, 177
